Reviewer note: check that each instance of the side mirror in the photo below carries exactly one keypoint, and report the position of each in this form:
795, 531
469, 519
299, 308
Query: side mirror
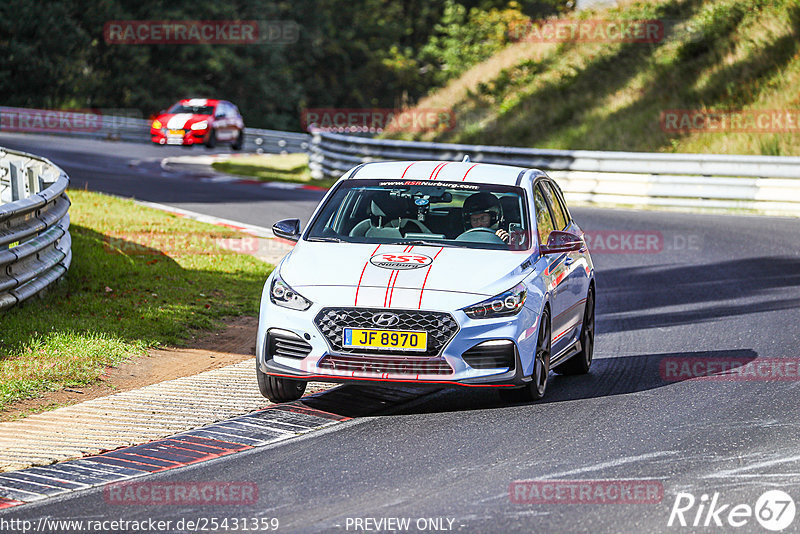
561, 242
287, 229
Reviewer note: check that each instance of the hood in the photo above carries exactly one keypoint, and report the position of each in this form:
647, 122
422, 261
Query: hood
180, 121
397, 276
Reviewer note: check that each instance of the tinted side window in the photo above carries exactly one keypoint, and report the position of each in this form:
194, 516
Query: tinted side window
559, 215
544, 222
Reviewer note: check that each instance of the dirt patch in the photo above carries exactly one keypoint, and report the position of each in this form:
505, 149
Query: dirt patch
235, 343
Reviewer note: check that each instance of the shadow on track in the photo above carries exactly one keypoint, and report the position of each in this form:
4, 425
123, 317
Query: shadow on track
695, 293
608, 377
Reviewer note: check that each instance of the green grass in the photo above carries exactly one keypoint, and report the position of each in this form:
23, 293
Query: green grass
139, 278
272, 168
717, 55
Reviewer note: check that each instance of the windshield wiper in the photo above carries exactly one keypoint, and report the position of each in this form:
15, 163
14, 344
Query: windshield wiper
326, 239
421, 242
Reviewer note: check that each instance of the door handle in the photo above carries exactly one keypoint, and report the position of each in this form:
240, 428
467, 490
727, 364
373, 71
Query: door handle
569, 261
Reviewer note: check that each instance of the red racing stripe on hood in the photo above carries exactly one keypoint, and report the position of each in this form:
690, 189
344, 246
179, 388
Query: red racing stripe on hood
390, 287
366, 263
422, 289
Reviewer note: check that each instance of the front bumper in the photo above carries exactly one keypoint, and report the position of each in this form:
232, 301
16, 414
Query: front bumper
511, 378
188, 137
446, 367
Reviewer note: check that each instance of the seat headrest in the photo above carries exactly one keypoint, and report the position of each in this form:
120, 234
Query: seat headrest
387, 208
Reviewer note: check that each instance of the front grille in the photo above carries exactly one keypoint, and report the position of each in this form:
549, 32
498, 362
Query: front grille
281, 343
490, 355
380, 365
440, 326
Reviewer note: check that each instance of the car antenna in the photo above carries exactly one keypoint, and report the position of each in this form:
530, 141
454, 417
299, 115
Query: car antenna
466, 159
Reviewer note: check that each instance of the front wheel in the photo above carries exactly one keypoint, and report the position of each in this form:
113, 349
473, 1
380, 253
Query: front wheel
211, 142
239, 143
279, 389
541, 367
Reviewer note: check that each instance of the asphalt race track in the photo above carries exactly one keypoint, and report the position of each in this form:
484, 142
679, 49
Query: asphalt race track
714, 288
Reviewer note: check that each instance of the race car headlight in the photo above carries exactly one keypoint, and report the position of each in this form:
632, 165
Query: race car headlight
156, 124
202, 125
507, 303
281, 294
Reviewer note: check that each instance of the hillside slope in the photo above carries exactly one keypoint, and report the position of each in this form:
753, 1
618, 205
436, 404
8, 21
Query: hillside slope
715, 55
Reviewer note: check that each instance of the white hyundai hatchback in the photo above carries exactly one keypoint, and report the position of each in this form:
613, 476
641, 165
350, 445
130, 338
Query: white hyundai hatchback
430, 272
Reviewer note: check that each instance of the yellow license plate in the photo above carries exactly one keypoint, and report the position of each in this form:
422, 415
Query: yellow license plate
176, 132
385, 339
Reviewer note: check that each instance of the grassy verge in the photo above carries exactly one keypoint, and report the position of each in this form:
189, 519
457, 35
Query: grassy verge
139, 278
716, 55
272, 168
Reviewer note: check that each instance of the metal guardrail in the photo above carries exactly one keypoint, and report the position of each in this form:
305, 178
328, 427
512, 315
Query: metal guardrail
35, 245
765, 184
133, 129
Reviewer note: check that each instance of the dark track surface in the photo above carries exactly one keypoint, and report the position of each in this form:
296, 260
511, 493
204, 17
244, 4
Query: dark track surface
723, 287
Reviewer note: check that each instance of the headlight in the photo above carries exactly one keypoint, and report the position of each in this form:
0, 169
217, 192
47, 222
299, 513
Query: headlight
156, 124
507, 303
281, 294
202, 125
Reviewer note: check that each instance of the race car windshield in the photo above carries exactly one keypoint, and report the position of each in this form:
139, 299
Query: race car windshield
444, 214
195, 110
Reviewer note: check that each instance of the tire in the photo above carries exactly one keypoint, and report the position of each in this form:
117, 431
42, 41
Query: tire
279, 389
239, 143
211, 142
535, 390
582, 361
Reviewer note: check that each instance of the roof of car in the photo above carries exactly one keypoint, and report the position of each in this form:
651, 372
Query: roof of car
200, 101
445, 171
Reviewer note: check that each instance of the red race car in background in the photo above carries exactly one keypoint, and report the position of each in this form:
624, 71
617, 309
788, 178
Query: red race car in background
194, 121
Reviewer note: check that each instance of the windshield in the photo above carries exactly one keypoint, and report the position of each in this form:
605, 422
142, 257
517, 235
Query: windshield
413, 212
195, 110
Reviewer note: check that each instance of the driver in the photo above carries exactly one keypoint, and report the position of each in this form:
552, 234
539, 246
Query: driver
483, 210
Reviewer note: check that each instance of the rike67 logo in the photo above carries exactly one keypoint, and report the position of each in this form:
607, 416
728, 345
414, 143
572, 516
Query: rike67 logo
774, 510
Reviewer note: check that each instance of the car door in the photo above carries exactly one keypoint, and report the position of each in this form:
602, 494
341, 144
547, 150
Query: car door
554, 271
572, 288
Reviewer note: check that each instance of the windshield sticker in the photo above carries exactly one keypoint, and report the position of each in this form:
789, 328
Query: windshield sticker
454, 185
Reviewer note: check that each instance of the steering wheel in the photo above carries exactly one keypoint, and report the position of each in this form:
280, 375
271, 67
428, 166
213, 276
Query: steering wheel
480, 229
482, 237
